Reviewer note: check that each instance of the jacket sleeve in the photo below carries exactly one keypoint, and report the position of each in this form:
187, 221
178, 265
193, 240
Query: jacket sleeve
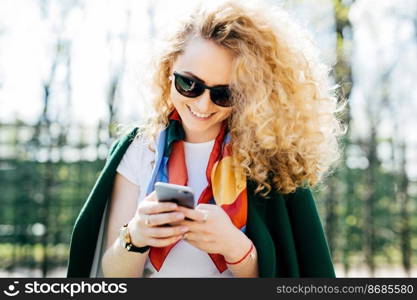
87, 225
112, 148
313, 253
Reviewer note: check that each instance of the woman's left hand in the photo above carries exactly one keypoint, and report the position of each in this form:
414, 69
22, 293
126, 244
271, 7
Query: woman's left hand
215, 235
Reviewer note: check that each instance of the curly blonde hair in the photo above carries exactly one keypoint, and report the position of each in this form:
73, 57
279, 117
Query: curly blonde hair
284, 126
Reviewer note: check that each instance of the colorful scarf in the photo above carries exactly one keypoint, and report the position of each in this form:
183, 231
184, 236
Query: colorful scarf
225, 187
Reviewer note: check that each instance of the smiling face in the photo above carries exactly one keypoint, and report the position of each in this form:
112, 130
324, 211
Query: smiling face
212, 64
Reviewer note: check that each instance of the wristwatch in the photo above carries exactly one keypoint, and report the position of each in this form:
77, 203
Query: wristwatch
126, 242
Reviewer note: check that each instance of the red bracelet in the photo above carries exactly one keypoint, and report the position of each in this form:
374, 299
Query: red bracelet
247, 253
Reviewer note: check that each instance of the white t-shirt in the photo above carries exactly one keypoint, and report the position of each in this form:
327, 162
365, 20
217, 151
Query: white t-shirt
183, 260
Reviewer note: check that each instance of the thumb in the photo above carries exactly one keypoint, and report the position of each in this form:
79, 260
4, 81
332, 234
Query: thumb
152, 196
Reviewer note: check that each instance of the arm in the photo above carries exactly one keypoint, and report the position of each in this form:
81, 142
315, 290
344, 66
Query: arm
117, 261
215, 233
313, 253
248, 267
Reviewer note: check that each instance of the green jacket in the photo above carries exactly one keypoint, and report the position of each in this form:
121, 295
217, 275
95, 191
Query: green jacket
285, 229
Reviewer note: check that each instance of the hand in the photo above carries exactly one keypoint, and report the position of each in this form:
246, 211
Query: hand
158, 213
217, 235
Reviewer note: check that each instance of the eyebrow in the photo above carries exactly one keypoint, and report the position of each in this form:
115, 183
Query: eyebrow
201, 80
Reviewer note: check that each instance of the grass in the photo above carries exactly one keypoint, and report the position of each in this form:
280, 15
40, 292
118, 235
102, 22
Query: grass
32, 255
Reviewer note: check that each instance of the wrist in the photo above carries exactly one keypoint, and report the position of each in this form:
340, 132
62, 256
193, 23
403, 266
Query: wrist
127, 242
239, 247
135, 237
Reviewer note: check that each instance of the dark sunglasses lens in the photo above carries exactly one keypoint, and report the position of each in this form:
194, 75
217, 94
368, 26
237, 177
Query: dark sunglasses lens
221, 96
187, 87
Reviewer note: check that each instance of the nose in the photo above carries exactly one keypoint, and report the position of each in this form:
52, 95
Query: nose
203, 103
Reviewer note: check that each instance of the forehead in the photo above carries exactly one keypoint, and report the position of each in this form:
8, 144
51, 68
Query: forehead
207, 60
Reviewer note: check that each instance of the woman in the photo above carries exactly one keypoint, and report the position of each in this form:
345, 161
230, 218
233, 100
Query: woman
243, 114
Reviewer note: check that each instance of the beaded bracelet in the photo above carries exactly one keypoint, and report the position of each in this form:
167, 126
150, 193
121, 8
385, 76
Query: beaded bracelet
247, 253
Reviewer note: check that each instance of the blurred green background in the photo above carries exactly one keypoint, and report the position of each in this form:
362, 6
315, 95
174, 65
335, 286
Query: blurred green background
70, 71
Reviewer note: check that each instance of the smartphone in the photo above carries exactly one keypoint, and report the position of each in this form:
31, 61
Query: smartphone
168, 192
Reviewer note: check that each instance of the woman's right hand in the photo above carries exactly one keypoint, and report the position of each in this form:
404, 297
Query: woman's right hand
157, 213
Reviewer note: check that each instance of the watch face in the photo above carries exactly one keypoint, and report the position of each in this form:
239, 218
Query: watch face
124, 236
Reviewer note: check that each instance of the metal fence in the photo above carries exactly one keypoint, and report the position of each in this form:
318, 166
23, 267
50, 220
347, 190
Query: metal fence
46, 173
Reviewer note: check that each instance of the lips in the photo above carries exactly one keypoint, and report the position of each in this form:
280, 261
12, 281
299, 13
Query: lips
199, 115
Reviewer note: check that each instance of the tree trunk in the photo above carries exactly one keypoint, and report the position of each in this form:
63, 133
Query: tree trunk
370, 198
403, 200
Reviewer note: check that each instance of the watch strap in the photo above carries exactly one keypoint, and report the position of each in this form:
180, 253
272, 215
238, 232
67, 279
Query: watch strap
133, 248
130, 247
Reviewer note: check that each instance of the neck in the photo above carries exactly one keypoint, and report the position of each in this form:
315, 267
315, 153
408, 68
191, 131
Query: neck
201, 137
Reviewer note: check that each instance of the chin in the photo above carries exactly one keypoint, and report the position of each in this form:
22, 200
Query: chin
196, 125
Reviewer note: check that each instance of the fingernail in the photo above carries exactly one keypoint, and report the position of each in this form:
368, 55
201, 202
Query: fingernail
179, 216
184, 229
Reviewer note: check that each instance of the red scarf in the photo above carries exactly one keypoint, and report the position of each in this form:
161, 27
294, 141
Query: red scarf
225, 187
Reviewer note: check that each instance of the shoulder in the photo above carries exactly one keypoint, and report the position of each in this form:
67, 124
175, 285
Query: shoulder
136, 159
301, 201
139, 149
142, 144
133, 140
300, 192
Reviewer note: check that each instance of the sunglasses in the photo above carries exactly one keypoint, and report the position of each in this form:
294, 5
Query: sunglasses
192, 88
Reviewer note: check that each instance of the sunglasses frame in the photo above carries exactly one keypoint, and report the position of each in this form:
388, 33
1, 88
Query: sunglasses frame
204, 86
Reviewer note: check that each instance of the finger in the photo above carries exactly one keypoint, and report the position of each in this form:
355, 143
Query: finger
198, 237
192, 225
165, 232
206, 206
154, 242
156, 207
193, 214
187, 236
177, 223
151, 197
165, 218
